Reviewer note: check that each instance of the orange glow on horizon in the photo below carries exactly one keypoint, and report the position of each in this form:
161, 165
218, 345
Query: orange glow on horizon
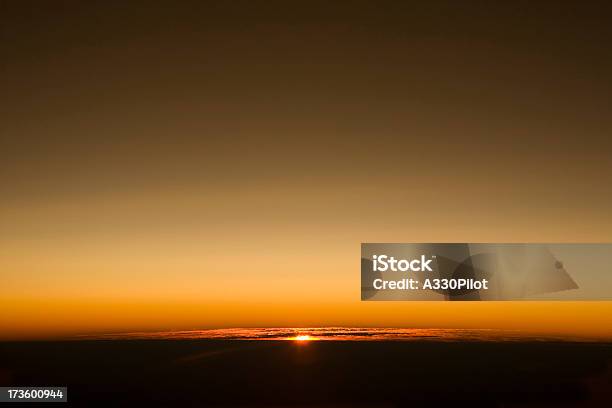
41, 318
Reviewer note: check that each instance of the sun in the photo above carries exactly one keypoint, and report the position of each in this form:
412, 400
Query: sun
302, 338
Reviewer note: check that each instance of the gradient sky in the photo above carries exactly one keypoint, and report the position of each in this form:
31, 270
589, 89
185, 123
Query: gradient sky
219, 164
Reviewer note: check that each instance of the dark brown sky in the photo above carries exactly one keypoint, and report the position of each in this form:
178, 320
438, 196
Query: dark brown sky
138, 139
133, 96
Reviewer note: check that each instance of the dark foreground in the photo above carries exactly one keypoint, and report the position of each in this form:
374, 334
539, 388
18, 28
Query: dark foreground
317, 373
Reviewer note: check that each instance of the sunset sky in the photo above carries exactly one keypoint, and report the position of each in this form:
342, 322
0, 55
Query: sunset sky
219, 164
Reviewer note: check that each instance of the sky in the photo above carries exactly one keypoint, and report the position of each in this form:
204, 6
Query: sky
218, 164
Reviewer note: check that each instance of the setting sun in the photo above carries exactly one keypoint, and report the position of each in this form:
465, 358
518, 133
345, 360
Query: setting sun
302, 338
